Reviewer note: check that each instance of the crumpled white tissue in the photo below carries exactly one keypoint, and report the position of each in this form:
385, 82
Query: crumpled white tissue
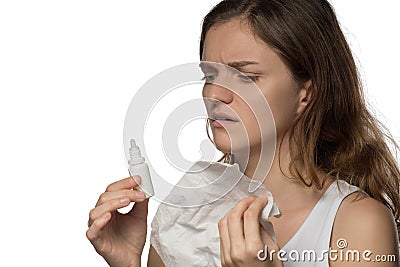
188, 236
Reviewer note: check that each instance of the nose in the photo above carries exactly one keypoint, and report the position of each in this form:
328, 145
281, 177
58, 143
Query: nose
217, 92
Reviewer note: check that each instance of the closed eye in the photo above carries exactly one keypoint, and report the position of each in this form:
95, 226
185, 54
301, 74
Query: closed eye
209, 78
248, 78
244, 78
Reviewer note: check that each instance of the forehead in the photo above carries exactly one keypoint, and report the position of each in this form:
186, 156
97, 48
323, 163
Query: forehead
232, 40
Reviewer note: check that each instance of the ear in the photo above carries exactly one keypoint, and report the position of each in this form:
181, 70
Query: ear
304, 96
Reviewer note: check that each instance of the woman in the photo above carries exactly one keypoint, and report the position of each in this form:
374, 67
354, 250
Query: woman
296, 53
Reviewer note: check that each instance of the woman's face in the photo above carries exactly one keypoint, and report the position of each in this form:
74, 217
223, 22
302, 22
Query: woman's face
233, 44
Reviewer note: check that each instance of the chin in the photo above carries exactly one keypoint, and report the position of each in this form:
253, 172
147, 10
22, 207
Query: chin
223, 143
229, 144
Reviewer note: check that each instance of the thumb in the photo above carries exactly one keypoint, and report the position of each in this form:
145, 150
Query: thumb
140, 209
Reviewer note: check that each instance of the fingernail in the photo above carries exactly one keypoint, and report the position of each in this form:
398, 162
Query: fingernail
137, 179
140, 195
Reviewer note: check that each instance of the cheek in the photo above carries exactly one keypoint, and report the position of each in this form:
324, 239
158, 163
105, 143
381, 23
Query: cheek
283, 104
251, 124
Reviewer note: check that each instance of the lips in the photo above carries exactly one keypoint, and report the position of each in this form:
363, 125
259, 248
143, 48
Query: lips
222, 116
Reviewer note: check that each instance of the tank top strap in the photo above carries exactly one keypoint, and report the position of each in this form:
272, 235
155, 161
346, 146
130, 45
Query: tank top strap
315, 233
326, 212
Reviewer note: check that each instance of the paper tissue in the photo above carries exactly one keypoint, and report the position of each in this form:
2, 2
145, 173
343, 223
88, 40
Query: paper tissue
188, 236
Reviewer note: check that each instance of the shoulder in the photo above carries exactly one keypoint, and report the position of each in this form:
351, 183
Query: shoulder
365, 224
360, 213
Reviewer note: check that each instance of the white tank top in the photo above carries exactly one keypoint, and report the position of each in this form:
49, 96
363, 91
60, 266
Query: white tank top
174, 231
313, 237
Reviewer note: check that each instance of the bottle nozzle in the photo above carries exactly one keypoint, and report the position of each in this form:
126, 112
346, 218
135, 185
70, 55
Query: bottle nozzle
134, 153
133, 143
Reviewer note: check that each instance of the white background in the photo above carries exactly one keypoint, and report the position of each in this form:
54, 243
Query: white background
68, 71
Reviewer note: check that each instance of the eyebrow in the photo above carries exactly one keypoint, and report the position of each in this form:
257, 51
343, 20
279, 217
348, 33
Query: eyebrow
240, 64
235, 64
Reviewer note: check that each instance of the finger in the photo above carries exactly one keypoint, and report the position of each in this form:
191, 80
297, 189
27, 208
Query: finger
221, 254
224, 241
267, 240
127, 183
251, 224
235, 225
93, 233
271, 245
109, 206
140, 209
132, 194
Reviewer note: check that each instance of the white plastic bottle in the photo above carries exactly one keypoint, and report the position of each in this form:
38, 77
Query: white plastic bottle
138, 166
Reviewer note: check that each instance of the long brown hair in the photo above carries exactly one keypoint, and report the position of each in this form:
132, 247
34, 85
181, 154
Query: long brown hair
336, 132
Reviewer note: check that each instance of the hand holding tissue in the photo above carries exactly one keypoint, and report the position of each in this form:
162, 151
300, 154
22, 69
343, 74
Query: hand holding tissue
189, 236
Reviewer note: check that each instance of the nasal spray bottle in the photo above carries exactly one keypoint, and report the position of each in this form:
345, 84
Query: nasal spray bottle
138, 166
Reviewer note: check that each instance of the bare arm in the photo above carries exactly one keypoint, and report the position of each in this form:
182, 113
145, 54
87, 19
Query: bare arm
154, 259
366, 225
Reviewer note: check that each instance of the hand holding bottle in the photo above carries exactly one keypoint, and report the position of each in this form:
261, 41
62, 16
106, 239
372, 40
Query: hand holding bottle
119, 238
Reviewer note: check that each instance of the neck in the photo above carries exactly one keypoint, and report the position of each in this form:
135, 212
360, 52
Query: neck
249, 164
283, 189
